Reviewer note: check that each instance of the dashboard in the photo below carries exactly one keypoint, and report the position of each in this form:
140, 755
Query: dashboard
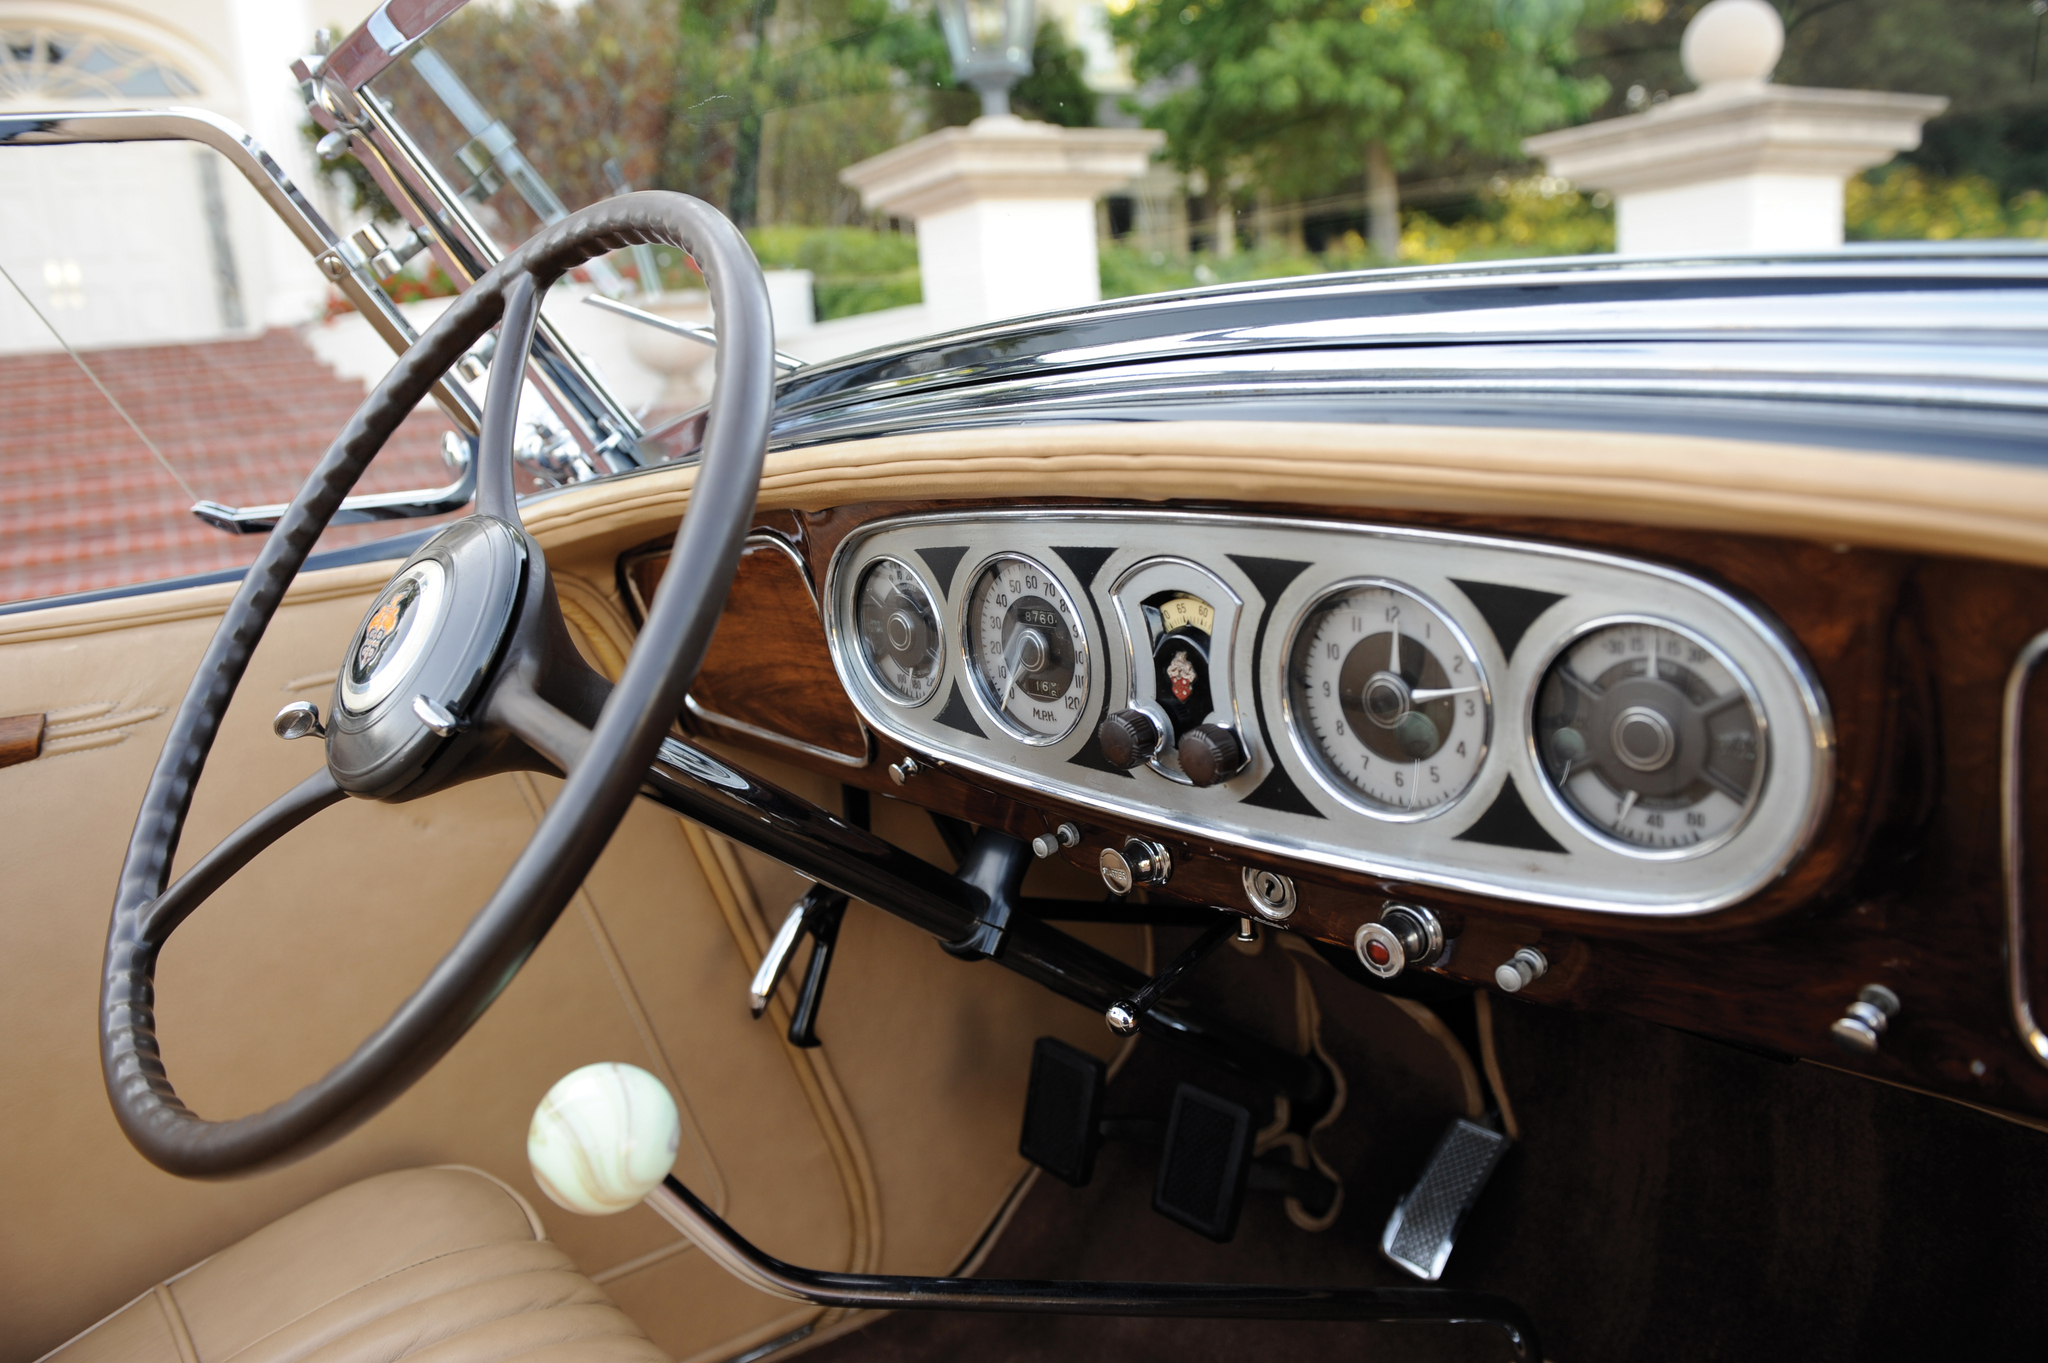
1564, 727
1725, 782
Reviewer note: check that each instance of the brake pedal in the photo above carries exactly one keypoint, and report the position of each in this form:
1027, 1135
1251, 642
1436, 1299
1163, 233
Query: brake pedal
1063, 1111
1207, 1160
1426, 1221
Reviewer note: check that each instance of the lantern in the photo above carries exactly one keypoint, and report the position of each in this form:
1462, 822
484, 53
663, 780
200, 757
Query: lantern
991, 45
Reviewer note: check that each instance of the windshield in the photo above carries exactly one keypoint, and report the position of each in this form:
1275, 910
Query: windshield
155, 359
904, 167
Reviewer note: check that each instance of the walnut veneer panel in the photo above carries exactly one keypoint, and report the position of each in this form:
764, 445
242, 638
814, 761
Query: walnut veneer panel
769, 666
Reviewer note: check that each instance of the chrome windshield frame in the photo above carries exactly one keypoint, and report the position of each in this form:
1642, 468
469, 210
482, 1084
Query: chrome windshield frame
338, 260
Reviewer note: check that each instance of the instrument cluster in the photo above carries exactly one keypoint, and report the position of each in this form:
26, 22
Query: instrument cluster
1568, 727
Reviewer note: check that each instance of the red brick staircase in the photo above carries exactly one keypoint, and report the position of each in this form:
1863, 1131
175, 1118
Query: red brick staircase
83, 502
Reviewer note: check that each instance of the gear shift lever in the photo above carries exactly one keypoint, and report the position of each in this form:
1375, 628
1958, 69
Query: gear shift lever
603, 1138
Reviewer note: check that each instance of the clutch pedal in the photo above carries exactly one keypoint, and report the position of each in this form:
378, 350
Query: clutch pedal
1426, 1221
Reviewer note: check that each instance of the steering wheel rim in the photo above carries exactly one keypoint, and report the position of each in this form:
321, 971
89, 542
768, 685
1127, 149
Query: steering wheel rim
605, 768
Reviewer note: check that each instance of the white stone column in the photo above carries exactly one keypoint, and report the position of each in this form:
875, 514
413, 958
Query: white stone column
1740, 164
1005, 211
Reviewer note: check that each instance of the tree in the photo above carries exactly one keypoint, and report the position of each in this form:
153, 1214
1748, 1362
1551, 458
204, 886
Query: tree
1291, 94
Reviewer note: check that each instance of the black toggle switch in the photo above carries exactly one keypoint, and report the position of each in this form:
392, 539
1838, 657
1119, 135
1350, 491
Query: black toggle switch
1128, 738
1210, 754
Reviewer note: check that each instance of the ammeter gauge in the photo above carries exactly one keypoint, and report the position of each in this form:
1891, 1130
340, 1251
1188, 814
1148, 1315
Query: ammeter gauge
1027, 649
1387, 700
1650, 736
901, 640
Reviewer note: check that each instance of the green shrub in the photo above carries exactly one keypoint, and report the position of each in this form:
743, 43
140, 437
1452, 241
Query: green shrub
1904, 203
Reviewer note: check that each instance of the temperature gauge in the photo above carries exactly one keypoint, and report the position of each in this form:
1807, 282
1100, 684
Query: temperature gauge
1650, 736
1388, 700
1027, 649
900, 638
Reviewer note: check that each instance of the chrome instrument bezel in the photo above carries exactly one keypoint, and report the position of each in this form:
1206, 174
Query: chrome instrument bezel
1305, 751
1591, 876
1083, 654
1757, 710
1127, 595
938, 619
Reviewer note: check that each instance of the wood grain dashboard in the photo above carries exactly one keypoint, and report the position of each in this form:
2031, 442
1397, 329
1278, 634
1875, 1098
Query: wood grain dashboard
1901, 886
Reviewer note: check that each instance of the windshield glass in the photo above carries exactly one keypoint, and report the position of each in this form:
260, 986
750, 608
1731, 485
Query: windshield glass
154, 359
908, 166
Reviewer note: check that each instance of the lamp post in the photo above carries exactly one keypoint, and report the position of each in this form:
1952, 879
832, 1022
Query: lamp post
991, 45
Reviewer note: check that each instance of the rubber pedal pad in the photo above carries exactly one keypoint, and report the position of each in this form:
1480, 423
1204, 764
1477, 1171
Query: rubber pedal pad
1427, 1219
1203, 1169
1063, 1111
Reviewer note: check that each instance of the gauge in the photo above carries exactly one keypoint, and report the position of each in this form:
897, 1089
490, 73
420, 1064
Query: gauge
1651, 736
1388, 700
1180, 625
1027, 649
900, 637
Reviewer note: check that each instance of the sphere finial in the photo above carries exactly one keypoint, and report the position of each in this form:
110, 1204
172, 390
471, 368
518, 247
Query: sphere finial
1732, 41
603, 1138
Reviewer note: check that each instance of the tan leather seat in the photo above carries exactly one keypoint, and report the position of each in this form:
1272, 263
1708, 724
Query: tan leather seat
443, 1265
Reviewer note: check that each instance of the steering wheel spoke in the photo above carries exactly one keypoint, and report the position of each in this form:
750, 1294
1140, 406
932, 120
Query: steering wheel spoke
163, 915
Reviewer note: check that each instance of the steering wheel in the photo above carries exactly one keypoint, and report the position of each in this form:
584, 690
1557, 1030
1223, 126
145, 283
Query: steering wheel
462, 668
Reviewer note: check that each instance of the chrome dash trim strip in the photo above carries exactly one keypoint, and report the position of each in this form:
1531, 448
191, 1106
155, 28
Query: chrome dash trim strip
2012, 851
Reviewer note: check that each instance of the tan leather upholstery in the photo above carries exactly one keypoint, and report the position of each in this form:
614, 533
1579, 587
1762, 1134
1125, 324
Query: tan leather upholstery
444, 1264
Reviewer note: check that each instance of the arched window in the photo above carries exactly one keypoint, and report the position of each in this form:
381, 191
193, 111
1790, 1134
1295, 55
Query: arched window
42, 64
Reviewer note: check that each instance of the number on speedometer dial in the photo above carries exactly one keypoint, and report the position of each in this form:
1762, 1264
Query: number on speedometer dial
1387, 700
1027, 649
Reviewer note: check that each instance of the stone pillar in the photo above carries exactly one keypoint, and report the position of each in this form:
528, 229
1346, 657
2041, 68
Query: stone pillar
1005, 211
1739, 164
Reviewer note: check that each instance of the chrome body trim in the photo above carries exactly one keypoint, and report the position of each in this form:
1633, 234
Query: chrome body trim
1589, 874
339, 261
2012, 839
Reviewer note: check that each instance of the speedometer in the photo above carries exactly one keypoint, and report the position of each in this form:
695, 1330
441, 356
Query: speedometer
1387, 700
1027, 649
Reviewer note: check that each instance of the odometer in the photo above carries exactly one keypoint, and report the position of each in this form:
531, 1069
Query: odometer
1027, 649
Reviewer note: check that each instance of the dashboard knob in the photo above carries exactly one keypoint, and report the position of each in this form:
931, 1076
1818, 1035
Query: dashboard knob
1140, 861
1405, 936
1210, 754
1128, 738
1862, 1025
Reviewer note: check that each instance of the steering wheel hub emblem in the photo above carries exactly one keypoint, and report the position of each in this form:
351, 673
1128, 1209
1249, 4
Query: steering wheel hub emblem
393, 637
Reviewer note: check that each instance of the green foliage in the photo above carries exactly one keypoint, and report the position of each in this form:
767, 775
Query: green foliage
1287, 93
856, 270
1536, 216
1903, 203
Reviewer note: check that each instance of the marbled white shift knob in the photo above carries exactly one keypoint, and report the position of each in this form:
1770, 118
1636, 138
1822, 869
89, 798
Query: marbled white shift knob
603, 1138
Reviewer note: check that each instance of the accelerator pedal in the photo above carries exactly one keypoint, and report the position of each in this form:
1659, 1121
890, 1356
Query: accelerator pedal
1426, 1221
